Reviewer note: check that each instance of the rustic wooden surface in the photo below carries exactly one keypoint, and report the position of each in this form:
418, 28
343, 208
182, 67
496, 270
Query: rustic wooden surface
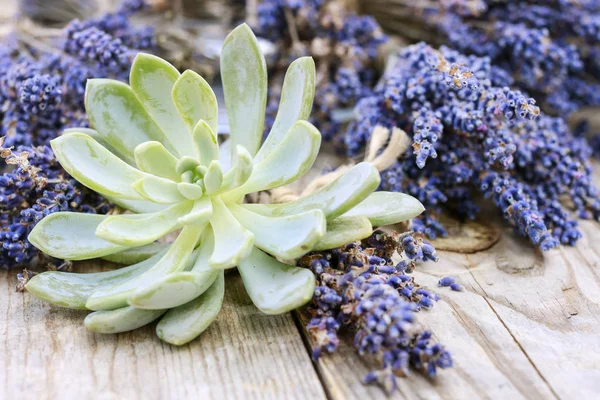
527, 326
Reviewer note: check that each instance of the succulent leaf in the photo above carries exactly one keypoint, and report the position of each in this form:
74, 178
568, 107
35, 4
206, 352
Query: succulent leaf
295, 104
233, 242
342, 230
244, 77
96, 167
155, 159
71, 290
119, 117
120, 320
200, 213
184, 323
71, 236
158, 190
286, 237
127, 231
179, 288
291, 159
195, 100
273, 286
205, 140
152, 79
135, 255
174, 260
335, 198
385, 208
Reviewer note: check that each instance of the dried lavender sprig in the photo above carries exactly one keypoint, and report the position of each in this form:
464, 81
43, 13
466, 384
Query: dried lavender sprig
471, 135
360, 288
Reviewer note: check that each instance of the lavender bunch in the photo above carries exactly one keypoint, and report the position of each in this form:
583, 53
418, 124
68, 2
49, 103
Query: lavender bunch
472, 135
550, 48
343, 45
35, 188
41, 92
360, 287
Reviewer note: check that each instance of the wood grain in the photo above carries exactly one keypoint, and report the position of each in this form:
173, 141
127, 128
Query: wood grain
46, 353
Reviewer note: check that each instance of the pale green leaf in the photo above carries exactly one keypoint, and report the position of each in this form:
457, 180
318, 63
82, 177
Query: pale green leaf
200, 213
152, 80
240, 171
184, 323
244, 77
334, 199
120, 320
95, 167
295, 103
384, 208
175, 260
343, 230
136, 254
213, 178
287, 237
119, 117
154, 158
71, 236
233, 242
195, 100
179, 287
191, 191
123, 230
205, 140
287, 162
273, 286
71, 290
226, 155
158, 190
137, 206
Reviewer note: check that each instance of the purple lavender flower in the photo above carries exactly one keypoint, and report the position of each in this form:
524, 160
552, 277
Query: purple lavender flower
360, 288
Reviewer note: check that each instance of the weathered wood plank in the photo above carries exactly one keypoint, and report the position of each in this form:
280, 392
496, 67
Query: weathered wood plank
46, 353
525, 327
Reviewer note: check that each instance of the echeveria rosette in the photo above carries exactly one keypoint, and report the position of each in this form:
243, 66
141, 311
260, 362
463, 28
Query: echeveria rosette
154, 151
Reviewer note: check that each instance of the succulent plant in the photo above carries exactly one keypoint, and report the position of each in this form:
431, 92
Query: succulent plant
155, 152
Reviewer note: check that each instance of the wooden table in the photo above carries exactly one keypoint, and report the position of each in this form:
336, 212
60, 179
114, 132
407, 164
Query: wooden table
527, 326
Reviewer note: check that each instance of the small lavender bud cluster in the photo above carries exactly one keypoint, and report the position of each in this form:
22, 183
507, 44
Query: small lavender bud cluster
361, 288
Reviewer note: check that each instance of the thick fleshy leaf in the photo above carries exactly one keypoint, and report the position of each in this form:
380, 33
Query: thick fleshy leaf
182, 324
200, 213
213, 178
195, 100
71, 236
120, 320
273, 286
384, 208
158, 190
95, 167
154, 158
295, 104
152, 80
174, 260
244, 77
233, 242
98, 138
286, 163
71, 290
334, 199
179, 287
123, 230
287, 237
116, 113
343, 230
240, 171
136, 254
205, 140
137, 206
190, 191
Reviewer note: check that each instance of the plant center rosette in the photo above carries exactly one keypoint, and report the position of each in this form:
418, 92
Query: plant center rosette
154, 151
